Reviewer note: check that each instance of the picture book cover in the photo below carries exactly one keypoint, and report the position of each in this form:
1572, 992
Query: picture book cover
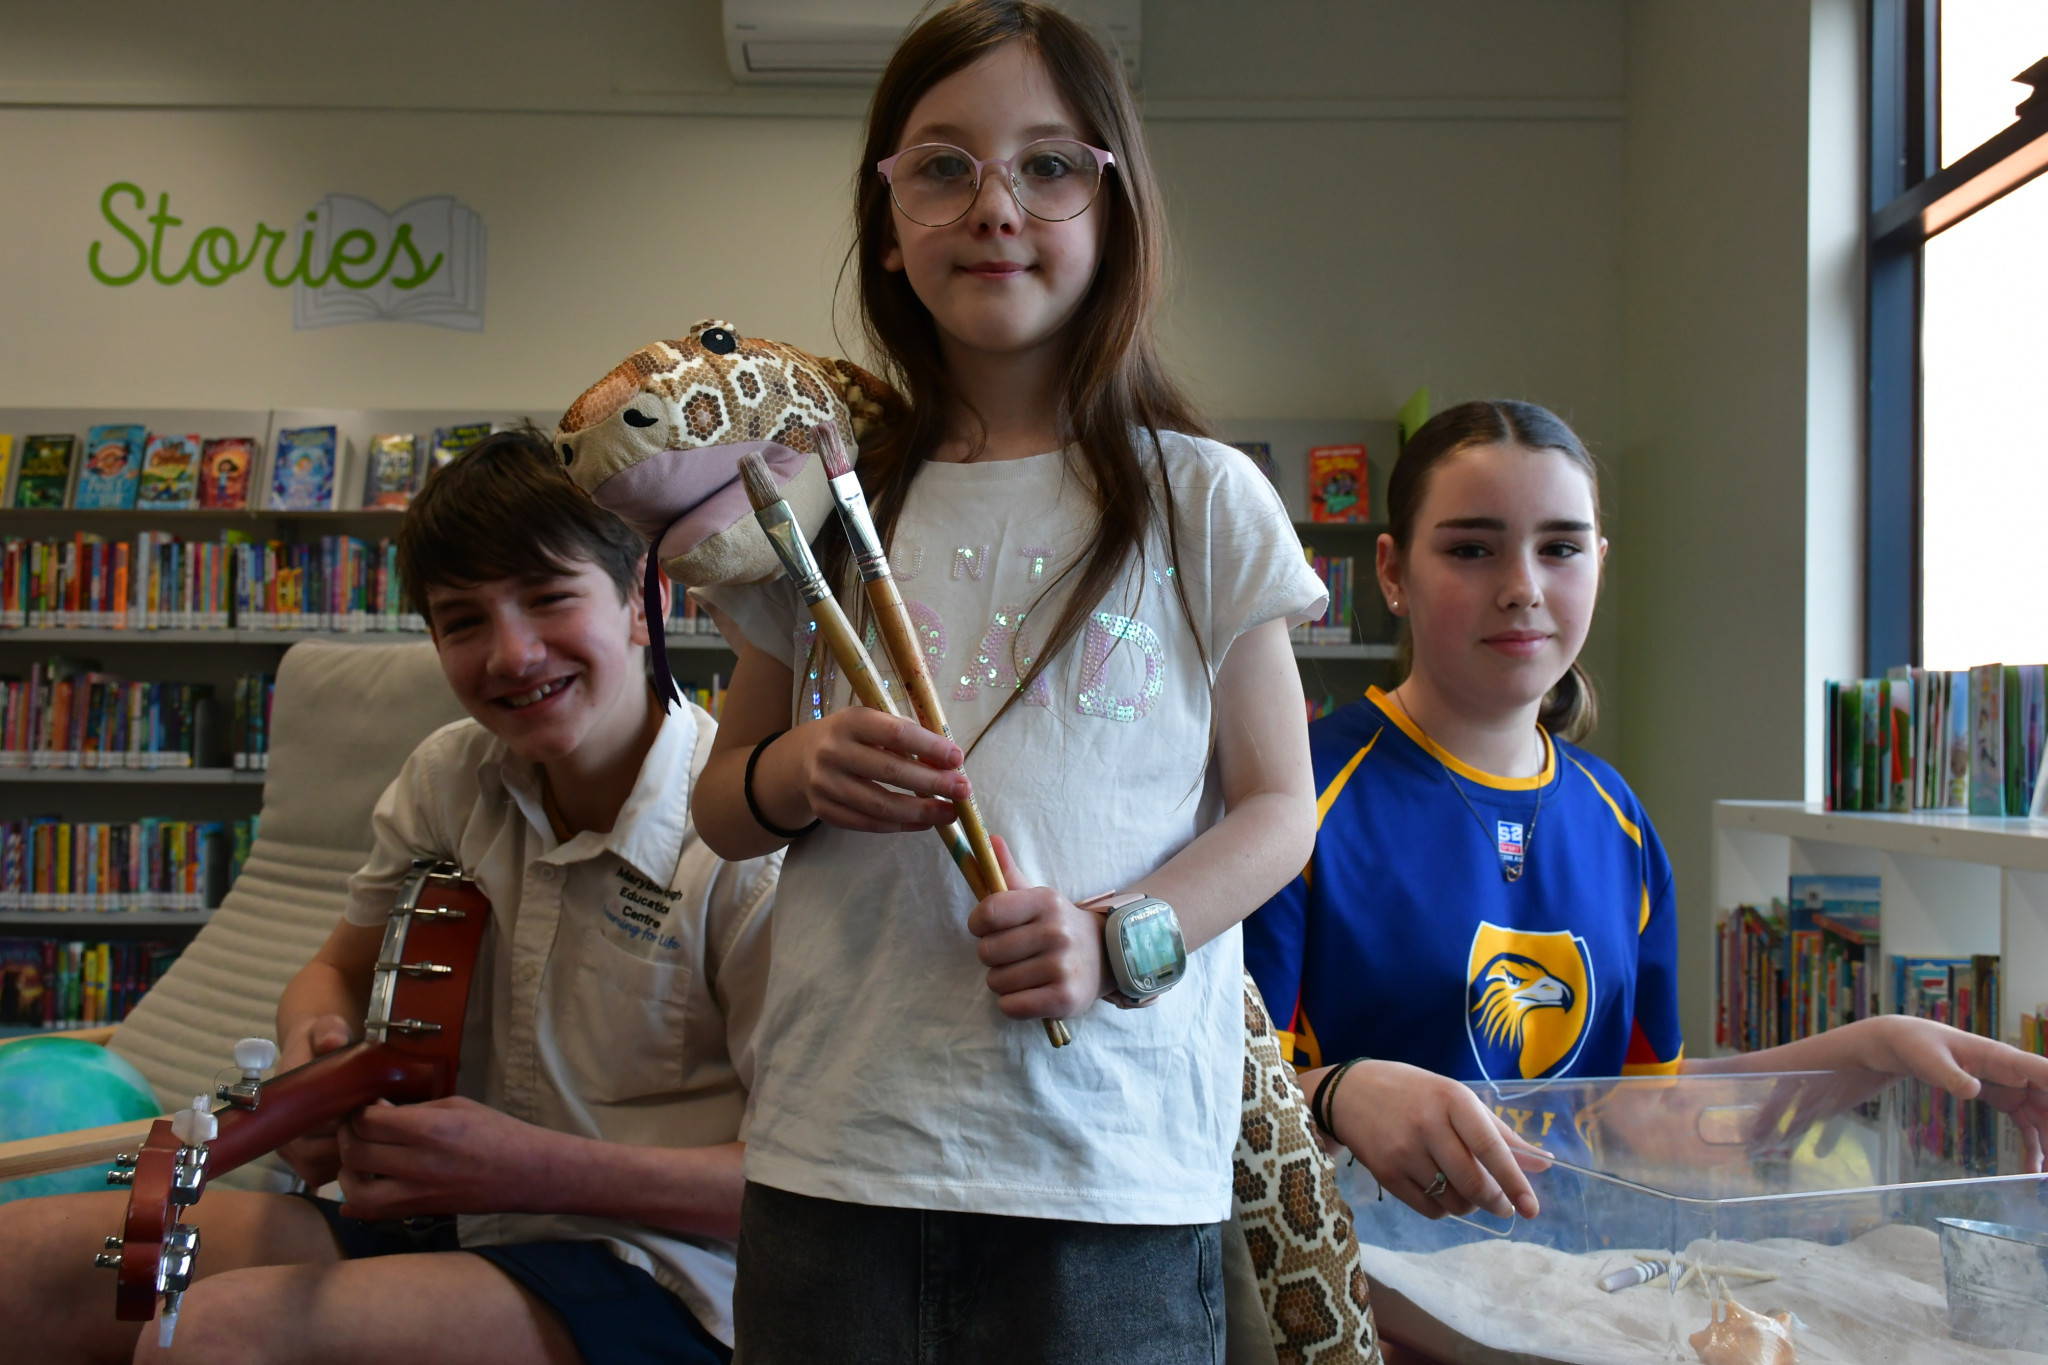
45, 479
1337, 487
21, 982
226, 464
392, 472
113, 466
1261, 454
452, 441
1899, 790
1872, 766
1816, 903
302, 479
1987, 739
1851, 731
170, 472
1958, 719
6, 461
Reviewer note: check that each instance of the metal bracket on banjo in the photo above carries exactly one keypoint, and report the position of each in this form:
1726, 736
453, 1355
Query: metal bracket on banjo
378, 1025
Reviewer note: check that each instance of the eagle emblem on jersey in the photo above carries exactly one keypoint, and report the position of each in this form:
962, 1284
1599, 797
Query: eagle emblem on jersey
1527, 999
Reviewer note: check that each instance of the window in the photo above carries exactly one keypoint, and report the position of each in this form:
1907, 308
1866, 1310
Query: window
1958, 472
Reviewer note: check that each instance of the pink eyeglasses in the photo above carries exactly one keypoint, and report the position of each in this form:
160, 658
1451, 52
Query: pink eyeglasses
1054, 179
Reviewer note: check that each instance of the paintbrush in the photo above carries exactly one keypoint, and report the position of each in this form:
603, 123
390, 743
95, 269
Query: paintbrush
899, 638
779, 523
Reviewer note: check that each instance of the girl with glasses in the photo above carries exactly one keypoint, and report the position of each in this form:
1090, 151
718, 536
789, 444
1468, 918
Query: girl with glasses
1487, 900
1103, 596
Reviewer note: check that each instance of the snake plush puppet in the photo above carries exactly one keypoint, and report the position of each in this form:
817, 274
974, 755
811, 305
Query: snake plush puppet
658, 441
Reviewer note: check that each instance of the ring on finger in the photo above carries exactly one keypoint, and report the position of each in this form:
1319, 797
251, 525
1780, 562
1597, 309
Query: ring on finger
1437, 1186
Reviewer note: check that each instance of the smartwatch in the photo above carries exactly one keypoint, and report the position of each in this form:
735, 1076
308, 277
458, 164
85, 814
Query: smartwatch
1141, 934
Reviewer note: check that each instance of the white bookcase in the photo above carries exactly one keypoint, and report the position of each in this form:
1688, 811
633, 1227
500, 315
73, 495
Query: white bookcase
1953, 884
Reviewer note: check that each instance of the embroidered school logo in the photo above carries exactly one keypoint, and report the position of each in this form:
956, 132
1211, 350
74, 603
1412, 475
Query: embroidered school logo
1527, 1001
1507, 838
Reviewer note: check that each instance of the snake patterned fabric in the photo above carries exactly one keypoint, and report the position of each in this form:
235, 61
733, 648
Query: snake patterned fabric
1303, 1242
660, 438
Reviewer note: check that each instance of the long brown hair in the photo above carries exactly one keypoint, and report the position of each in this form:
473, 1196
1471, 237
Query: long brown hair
1571, 708
1113, 384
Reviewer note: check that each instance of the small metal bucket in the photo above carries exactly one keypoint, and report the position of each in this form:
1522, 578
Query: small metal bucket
1997, 1283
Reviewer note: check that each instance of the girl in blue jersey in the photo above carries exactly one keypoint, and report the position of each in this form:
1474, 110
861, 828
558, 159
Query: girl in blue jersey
1487, 901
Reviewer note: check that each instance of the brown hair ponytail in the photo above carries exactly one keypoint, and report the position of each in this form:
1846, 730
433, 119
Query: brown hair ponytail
1571, 708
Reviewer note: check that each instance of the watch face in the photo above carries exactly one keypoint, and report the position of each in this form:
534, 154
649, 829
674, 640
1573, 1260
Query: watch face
1152, 950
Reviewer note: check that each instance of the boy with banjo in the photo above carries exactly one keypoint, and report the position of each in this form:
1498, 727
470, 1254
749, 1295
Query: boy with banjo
591, 1155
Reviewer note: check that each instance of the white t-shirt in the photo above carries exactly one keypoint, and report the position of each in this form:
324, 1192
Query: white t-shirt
887, 1075
619, 983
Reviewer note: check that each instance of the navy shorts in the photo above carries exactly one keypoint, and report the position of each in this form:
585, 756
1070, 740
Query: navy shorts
617, 1314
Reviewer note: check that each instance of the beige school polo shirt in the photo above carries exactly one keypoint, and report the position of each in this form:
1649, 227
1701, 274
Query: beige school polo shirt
621, 978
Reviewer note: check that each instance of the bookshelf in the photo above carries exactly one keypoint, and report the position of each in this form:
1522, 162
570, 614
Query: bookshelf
1952, 884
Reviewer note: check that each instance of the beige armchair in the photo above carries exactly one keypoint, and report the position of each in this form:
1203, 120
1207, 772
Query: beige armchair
342, 721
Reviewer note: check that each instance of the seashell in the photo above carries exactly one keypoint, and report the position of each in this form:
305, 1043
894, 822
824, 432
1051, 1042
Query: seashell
1741, 1337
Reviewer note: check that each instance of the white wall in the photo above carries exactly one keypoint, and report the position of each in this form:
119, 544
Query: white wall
1366, 197
1741, 332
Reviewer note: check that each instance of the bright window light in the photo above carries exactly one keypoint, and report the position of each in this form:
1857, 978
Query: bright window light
1984, 483
1984, 44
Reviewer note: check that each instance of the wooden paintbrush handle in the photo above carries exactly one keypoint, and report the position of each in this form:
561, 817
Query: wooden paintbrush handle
899, 637
867, 685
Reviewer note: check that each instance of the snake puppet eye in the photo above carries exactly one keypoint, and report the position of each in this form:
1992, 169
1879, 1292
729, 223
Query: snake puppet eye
568, 453
719, 341
636, 418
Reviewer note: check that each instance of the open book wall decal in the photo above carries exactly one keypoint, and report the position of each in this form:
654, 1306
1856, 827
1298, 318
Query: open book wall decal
435, 250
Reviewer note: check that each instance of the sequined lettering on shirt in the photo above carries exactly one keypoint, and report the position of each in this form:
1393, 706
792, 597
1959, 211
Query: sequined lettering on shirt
906, 564
1005, 657
1036, 555
926, 626
1104, 632
971, 558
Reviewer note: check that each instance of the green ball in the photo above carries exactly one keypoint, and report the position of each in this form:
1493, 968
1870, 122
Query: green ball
56, 1085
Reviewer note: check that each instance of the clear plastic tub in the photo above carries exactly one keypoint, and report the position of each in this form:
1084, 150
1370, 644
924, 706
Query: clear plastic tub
1814, 1195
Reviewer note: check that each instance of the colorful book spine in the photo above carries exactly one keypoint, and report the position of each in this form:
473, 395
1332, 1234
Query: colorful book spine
159, 581
1334, 626
51, 866
54, 983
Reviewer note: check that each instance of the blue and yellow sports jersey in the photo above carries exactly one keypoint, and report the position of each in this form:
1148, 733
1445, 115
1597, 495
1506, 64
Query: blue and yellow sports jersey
1402, 939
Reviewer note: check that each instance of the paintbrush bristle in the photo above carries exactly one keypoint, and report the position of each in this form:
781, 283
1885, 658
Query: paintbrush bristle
762, 490
831, 450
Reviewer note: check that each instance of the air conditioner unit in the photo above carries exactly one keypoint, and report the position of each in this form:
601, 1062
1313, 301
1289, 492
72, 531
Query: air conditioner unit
848, 42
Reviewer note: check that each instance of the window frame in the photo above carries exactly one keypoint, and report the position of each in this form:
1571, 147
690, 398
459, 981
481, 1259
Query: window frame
1913, 198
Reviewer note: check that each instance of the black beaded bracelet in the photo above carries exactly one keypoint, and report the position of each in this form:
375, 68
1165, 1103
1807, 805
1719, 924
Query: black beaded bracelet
1326, 1096
754, 806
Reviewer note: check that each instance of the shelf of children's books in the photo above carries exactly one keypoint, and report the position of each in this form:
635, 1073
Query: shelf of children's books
116, 777
99, 921
2014, 842
1306, 651
58, 635
107, 636
40, 520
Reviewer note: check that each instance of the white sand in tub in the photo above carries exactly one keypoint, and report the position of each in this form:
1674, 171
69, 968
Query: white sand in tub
1878, 1300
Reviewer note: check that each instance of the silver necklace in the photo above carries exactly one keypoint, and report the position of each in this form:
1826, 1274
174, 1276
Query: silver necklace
1511, 872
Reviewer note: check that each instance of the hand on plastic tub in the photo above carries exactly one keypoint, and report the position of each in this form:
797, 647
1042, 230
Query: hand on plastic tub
1428, 1140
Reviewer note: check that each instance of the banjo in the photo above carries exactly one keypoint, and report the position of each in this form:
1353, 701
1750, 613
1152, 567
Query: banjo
412, 1043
